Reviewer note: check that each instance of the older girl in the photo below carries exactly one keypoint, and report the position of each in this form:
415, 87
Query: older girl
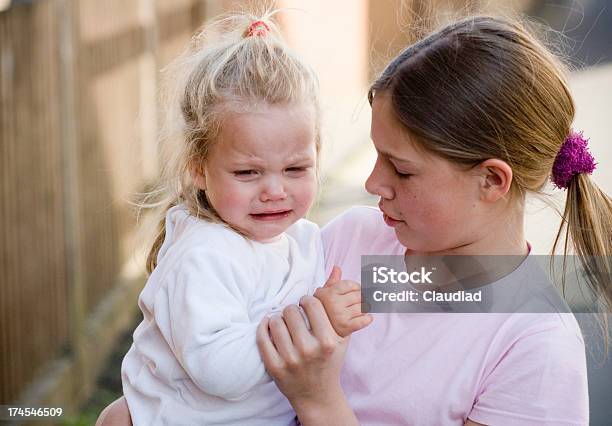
465, 122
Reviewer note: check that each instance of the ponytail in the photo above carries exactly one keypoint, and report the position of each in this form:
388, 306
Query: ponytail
587, 223
158, 241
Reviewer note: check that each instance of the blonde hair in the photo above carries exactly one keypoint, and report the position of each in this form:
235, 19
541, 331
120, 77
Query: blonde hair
227, 67
484, 87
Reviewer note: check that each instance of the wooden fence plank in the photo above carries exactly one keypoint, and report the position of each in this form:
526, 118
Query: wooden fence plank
64, 230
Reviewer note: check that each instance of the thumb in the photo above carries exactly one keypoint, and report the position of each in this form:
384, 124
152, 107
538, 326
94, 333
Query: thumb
335, 276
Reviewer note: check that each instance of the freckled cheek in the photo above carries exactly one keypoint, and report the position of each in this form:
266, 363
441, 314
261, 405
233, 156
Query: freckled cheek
449, 216
425, 209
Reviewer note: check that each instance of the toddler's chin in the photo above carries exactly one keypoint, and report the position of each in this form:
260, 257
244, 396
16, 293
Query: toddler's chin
271, 234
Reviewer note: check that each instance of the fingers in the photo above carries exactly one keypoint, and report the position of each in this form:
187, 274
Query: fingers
336, 275
346, 326
282, 339
319, 322
345, 286
296, 324
353, 311
353, 299
269, 354
347, 320
340, 287
359, 322
329, 297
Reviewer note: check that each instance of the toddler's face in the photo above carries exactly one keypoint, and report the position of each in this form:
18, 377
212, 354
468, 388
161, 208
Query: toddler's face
260, 175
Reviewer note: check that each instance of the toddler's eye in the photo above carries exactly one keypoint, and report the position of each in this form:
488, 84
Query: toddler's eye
296, 169
245, 173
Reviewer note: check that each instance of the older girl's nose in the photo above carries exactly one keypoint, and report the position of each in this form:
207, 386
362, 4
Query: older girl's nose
376, 183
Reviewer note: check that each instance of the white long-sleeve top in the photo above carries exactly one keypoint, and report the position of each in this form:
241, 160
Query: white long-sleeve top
194, 360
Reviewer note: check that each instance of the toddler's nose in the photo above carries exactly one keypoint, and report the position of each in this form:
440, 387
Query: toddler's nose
274, 190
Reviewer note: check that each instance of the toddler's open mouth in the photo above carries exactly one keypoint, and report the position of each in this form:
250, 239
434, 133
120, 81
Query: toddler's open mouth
270, 216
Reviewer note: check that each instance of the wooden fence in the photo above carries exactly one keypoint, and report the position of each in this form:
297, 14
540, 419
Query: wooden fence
78, 81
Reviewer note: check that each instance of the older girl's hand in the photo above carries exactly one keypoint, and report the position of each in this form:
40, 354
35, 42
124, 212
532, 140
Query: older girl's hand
305, 364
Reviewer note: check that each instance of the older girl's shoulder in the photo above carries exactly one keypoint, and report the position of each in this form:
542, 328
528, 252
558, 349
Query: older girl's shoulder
361, 231
363, 218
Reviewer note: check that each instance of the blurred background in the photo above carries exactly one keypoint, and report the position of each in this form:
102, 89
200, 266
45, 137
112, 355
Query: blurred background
78, 130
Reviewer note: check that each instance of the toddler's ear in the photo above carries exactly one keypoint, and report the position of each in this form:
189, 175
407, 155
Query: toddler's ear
496, 179
198, 176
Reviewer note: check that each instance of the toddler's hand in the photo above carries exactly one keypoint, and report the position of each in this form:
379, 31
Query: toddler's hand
342, 302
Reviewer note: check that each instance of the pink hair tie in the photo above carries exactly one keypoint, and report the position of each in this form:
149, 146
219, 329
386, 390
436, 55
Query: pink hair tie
573, 158
257, 28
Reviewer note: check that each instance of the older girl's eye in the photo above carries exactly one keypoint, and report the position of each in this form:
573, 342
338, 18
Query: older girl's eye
402, 175
398, 173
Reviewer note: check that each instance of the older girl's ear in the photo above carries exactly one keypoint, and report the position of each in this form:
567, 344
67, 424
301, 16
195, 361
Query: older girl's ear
495, 179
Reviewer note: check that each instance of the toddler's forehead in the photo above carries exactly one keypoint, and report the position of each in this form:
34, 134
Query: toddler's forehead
247, 119
280, 127
259, 152
237, 106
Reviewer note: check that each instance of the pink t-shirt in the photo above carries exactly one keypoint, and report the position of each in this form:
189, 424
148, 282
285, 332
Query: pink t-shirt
443, 368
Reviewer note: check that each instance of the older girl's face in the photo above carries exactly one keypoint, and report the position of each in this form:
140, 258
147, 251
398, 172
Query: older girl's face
432, 204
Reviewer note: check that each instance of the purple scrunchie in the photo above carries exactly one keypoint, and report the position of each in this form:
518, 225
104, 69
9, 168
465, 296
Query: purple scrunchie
573, 158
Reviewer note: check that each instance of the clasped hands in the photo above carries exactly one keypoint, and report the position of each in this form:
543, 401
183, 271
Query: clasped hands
305, 362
